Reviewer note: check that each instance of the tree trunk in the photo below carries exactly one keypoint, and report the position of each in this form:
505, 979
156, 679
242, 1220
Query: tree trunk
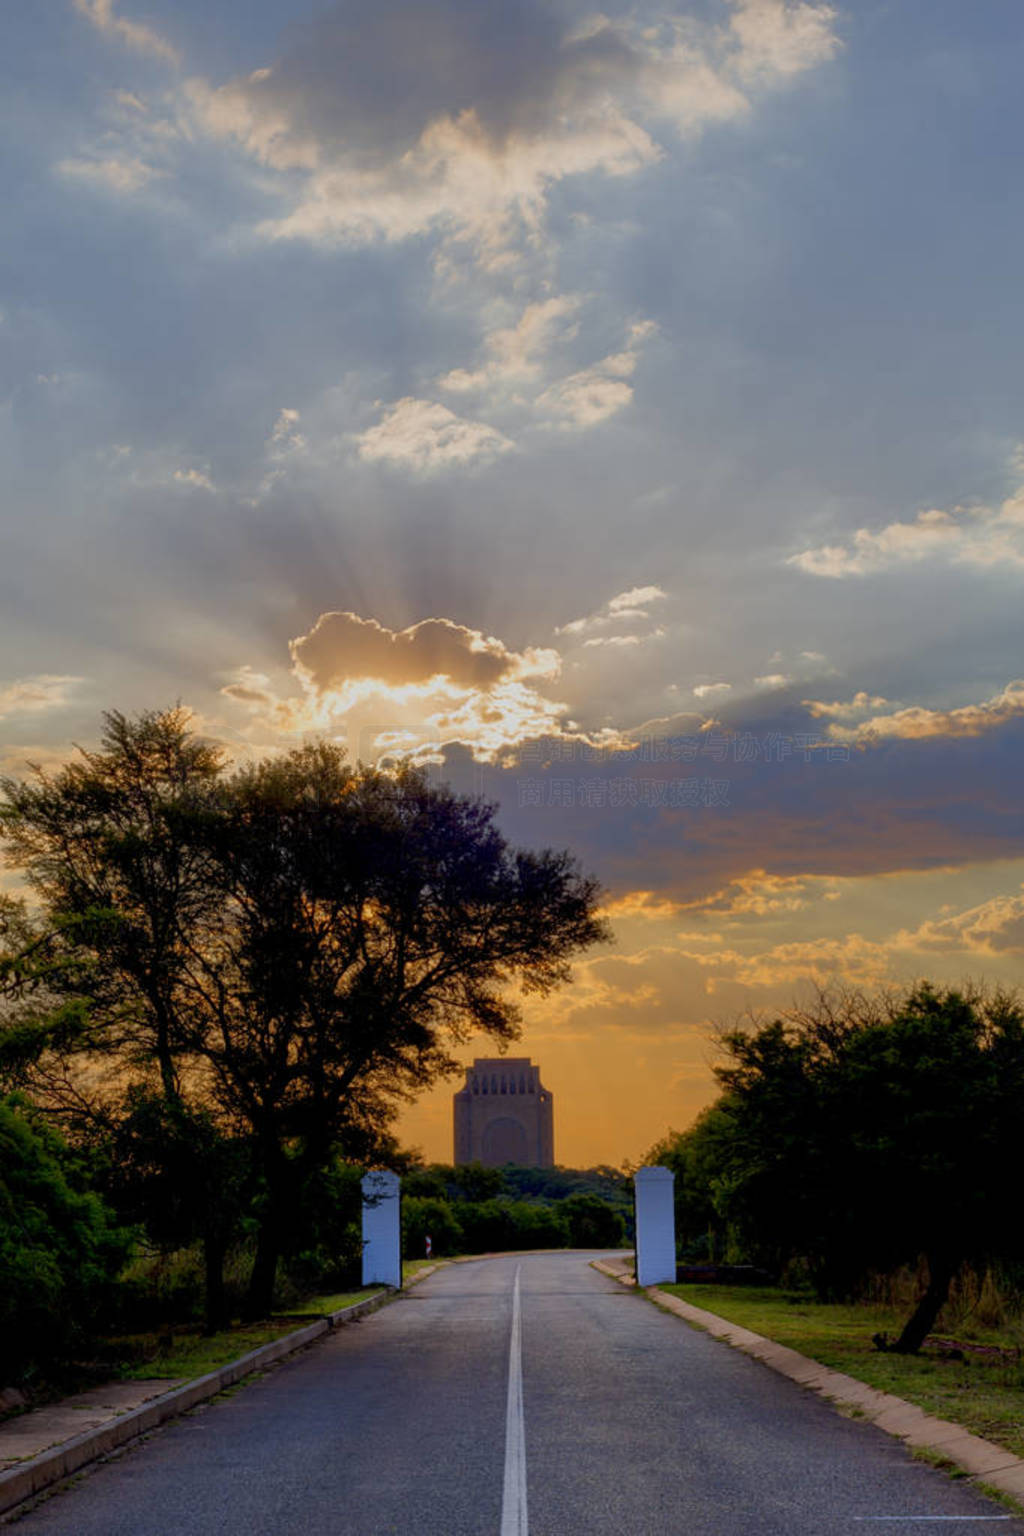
260, 1300
941, 1270
216, 1299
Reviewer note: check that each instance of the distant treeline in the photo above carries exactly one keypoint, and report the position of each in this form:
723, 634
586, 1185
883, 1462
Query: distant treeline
472, 1209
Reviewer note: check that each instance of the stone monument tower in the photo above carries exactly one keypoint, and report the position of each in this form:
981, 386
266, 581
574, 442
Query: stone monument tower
504, 1115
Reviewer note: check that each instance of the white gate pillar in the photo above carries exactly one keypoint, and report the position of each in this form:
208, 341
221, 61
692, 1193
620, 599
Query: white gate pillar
655, 1226
382, 1228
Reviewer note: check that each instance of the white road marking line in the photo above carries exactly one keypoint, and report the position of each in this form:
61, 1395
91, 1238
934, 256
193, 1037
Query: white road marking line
863, 1518
513, 1505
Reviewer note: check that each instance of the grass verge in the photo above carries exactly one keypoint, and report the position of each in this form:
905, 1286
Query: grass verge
188, 1353
318, 1306
984, 1393
411, 1267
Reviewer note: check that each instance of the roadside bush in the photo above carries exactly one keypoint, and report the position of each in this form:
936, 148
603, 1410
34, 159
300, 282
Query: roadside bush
323, 1244
537, 1226
59, 1248
428, 1214
494, 1226
592, 1222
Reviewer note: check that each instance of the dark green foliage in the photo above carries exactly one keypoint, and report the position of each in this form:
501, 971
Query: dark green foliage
611, 1184
323, 1242
428, 1214
698, 1157
472, 1181
511, 1208
591, 1221
499, 1226
499, 1209
859, 1136
59, 1247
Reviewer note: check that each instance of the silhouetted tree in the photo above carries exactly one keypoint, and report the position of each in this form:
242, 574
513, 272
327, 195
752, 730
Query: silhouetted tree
375, 922
107, 843
862, 1135
272, 960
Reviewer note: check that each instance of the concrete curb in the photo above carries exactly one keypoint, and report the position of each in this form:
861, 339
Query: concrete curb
974, 1455
40, 1472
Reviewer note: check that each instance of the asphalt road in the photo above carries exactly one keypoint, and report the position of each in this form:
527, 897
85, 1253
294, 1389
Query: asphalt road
628, 1423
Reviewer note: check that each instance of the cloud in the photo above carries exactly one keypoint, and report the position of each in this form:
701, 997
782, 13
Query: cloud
426, 691
419, 116
772, 680
644, 904
114, 174
342, 647
132, 33
590, 396
515, 357
851, 957
32, 695
423, 436
515, 353
712, 690
982, 537
194, 479
917, 722
861, 704
760, 894
624, 608
994, 927
286, 437
621, 640
586, 398
689, 809
777, 39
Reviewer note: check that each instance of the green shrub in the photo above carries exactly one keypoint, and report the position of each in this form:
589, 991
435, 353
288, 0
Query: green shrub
592, 1222
59, 1248
496, 1226
421, 1215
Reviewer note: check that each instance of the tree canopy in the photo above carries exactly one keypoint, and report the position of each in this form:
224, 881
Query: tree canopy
270, 958
859, 1135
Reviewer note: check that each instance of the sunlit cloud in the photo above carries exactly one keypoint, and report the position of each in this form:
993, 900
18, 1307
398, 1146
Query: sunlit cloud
286, 437
850, 958
983, 537
586, 398
591, 395
779, 39
34, 695
760, 894
470, 151
113, 174
342, 646
133, 34
993, 927
917, 722
515, 354
862, 703
408, 692
621, 609
194, 479
647, 905
423, 436
620, 641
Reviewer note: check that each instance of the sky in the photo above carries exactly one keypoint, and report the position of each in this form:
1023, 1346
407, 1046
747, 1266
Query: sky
618, 411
